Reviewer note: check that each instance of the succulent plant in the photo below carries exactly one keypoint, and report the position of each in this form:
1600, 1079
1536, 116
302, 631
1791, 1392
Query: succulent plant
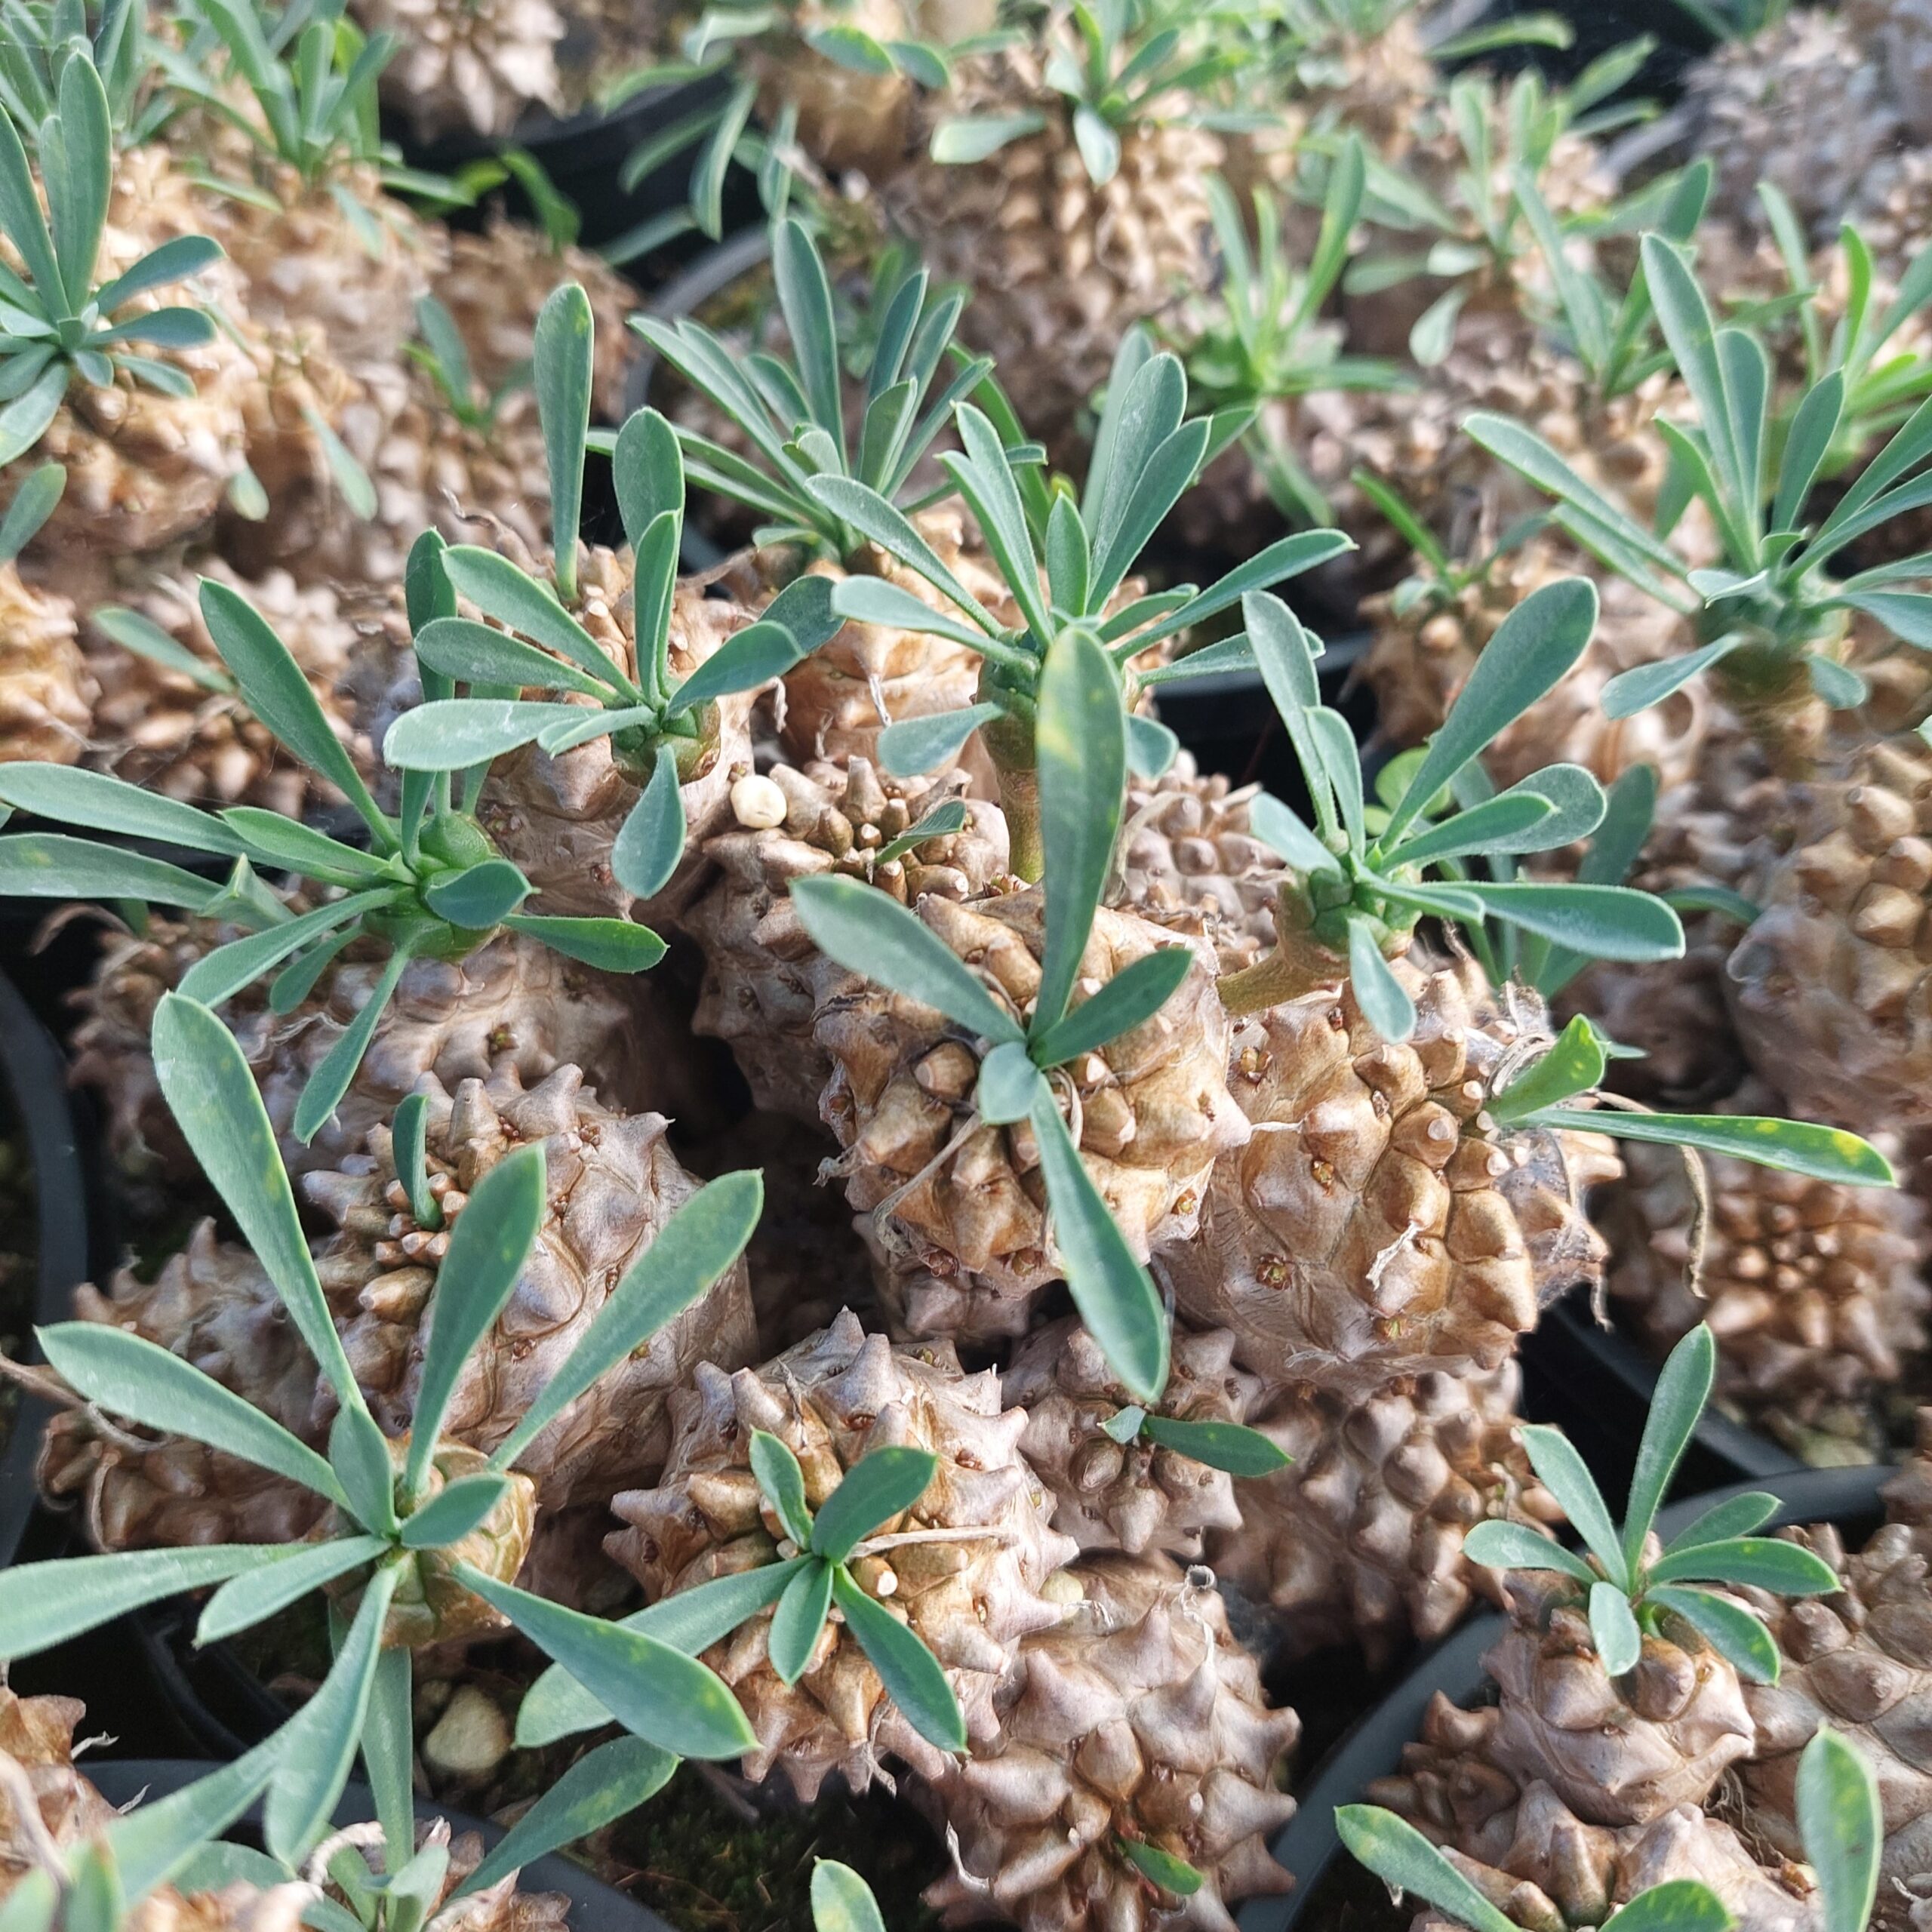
424, 1533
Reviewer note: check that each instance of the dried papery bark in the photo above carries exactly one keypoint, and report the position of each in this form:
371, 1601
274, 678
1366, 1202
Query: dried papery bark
1140, 1718
965, 1567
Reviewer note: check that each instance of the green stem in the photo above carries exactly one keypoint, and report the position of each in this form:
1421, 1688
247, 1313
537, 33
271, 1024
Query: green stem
1297, 966
1019, 800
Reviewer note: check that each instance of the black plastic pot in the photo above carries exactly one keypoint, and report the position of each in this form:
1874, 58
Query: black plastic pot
1569, 1351
34, 1074
584, 154
595, 1906
1308, 1846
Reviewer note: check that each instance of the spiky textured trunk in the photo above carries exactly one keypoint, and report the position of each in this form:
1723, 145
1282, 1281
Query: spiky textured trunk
765, 981
613, 1181
46, 692
1375, 1217
1360, 1538
1140, 1719
1138, 1496
959, 1205
478, 65
971, 1599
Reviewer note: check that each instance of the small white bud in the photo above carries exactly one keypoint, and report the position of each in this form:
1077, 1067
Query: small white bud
757, 803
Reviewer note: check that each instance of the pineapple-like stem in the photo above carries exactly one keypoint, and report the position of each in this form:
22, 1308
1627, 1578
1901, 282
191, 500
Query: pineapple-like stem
1297, 965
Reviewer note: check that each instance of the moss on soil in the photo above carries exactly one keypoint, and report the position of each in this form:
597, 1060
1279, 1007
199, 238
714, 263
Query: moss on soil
693, 1858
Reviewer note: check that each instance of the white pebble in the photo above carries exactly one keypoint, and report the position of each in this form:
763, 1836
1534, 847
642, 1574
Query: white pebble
757, 803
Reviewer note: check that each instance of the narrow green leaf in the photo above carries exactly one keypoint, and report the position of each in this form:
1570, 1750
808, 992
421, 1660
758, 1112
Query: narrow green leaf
1384, 1000
882, 1484
867, 933
130, 1376
910, 1672
1605, 921
1229, 1446
42, 1604
251, 1598
220, 975
1498, 1545
452, 1513
155, 1841
488, 1246
649, 844
205, 1080
610, 1782
1613, 1630
474, 654
1727, 1626
323, 1735
561, 365
34, 502
1406, 1862
1115, 1296
1129, 1000
612, 945
1765, 1563
359, 1454
843, 1902
656, 1693
1678, 1905
500, 590
1723, 1521
1566, 1477
1573, 1066
691, 1252
1683, 1387
915, 745
452, 734
1842, 1828
783, 1484
1798, 1147
799, 1619
1009, 1084
98, 803
334, 1074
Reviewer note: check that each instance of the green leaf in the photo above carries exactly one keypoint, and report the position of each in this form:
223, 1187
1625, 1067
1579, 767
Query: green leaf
867, 933
1114, 1293
1009, 1084
804, 295
882, 1484
869, 514
272, 683
273, 840
155, 1842
473, 653
1565, 1476
145, 638
797, 1621
1678, 1905
1498, 1545
205, 1080
1727, 1626
26, 420
490, 1241
220, 975
843, 1902
452, 1513
1162, 1868
915, 746
1637, 690
359, 1454
500, 590
561, 366
648, 472
871, 600
333, 1075
1080, 742
750, 658
1842, 1828
1384, 1000
1683, 1387
1723, 1521
656, 1692
409, 1134
1613, 1630
1478, 829
129, 1376
1838, 684
1406, 1862
478, 898
783, 1483
452, 734
690, 1253
960, 140
1814, 427
707, 195
1130, 999
1798, 1147
910, 1672
1765, 1563
612, 945
692, 1620
1284, 834
651, 840
244, 1601
98, 803
1539, 640
941, 822
323, 1735
613, 1779
1573, 1066
42, 1604
1241, 1451
1605, 921
34, 502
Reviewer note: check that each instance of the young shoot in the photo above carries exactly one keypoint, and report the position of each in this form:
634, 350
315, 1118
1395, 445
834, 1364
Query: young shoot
1263, 339
663, 731
1364, 874
425, 1532
1064, 562
1082, 772
40, 40
792, 411
1773, 623
1627, 1591
429, 885
61, 325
